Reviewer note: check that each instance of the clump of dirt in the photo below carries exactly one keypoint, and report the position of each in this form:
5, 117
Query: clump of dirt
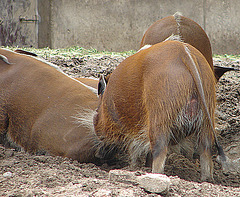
88, 66
23, 174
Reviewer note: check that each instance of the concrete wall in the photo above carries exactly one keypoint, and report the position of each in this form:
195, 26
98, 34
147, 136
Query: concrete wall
113, 25
14, 31
223, 25
45, 25
118, 25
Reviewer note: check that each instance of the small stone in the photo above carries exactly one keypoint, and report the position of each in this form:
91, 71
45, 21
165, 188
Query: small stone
138, 173
7, 174
126, 193
175, 180
232, 166
103, 192
122, 176
9, 152
154, 183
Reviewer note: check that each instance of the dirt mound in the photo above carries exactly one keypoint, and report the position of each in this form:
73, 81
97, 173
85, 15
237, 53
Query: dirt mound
23, 174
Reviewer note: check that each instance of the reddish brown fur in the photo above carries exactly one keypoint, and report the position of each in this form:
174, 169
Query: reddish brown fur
88, 81
40, 107
147, 97
189, 31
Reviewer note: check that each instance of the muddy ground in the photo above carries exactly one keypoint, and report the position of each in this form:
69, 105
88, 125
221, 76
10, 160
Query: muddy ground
22, 174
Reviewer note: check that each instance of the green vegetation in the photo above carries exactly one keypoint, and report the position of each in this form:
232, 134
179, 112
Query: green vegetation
226, 56
74, 51
77, 51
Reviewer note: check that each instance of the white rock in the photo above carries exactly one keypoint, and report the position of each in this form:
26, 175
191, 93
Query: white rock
7, 174
126, 193
154, 183
103, 192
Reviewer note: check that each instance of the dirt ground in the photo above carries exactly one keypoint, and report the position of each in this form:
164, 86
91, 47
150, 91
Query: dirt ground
23, 174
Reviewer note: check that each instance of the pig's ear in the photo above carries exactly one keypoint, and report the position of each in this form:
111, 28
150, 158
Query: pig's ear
101, 85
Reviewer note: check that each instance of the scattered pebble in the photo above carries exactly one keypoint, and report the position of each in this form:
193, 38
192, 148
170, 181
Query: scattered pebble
154, 183
7, 174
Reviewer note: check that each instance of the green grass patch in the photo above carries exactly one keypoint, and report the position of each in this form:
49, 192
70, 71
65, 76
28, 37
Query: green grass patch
71, 52
227, 56
77, 51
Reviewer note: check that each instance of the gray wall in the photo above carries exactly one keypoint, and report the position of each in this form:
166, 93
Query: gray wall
113, 25
14, 32
118, 25
223, 25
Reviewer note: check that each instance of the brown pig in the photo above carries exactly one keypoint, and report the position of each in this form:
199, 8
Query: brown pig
44, 109
156, 98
